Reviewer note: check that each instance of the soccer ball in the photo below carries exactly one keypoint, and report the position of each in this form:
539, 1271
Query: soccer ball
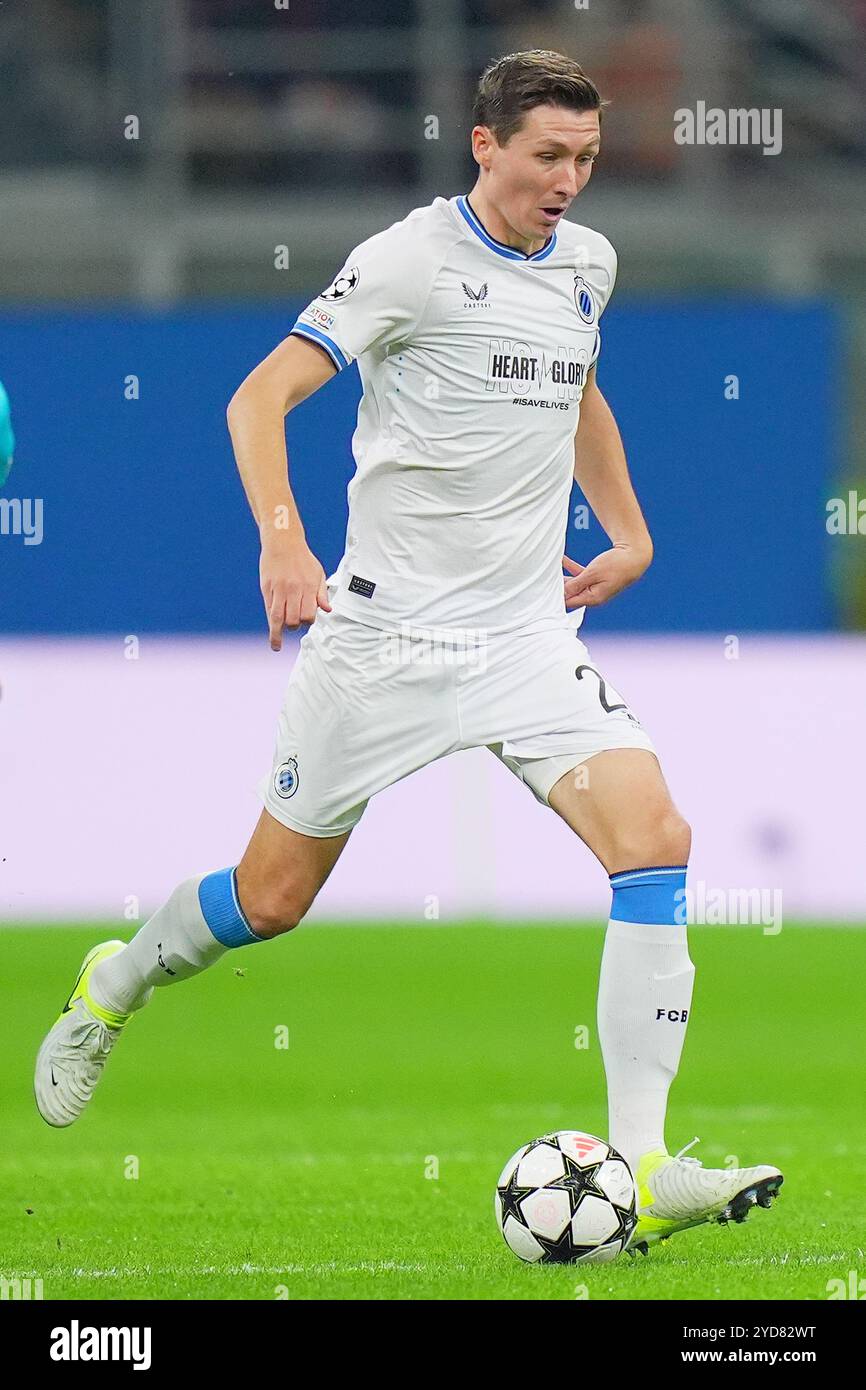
566, 1198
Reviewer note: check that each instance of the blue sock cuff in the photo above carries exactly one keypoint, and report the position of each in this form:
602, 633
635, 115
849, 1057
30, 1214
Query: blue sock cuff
221, 909
653, 897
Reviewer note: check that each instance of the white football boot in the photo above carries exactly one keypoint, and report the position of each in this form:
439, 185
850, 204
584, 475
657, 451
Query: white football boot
675, 1193
73, 1054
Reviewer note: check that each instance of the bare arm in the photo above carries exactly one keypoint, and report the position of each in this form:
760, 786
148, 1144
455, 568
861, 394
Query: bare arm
601, 471
292, 580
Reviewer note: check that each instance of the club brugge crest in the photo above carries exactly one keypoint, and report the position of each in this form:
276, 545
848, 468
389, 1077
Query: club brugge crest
286, 778
584, 299
346, 281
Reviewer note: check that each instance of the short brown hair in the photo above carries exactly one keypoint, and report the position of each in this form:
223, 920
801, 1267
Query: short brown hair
511, 86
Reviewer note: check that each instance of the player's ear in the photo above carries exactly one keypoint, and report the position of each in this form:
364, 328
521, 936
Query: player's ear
483, 141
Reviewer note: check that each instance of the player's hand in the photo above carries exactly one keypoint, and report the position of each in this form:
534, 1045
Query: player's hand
604, 576
293, 586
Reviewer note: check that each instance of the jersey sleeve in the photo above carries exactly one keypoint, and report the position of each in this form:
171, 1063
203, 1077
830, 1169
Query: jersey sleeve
605, 281
374, 302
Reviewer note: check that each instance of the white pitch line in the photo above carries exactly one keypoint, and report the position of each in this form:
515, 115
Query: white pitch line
327, 1267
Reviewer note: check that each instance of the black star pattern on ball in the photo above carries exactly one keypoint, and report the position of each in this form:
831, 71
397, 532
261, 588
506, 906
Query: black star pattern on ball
511, 1196
578, 1182
562, 1251
582, 1182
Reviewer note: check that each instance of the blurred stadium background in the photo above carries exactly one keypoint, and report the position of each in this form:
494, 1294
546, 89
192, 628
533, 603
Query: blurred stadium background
176, 180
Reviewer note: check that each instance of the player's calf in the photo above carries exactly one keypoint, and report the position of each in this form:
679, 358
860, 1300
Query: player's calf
281, 874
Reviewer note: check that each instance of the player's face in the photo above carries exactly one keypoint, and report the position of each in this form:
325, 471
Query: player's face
533, 179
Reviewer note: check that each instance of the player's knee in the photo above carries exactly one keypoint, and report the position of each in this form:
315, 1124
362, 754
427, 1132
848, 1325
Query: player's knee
275, 922
680, 838
666, 839
672, 839
272, 910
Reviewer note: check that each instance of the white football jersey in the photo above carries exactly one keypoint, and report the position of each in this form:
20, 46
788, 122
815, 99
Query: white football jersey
473, 358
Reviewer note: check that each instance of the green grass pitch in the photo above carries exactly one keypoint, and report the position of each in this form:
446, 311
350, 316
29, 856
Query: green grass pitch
214, 1164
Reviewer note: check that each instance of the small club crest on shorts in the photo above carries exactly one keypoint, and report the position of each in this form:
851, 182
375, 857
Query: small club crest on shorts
286, 778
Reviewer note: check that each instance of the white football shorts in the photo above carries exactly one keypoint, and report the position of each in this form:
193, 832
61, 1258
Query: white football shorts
365, 708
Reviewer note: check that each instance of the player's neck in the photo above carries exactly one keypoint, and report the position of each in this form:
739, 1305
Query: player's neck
497, 227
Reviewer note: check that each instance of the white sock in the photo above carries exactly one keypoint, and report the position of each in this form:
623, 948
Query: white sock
644, 998
175, 943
